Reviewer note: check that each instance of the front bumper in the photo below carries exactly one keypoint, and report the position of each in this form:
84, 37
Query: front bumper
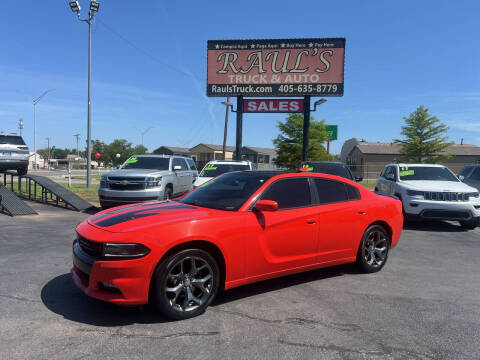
107, 195
441, 210
130, 277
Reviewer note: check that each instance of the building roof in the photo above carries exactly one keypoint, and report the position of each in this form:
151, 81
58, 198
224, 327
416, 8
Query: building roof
394, 148
260, 150
215, 147
174, 149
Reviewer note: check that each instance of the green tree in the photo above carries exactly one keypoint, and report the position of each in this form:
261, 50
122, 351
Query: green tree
424, 138
289, 143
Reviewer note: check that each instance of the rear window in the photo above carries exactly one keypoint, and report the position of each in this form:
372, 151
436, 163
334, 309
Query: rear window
329, 168
13, 140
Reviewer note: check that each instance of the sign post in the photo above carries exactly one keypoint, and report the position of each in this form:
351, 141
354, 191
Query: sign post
275, 67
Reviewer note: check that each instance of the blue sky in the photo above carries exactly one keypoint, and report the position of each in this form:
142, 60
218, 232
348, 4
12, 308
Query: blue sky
149, 67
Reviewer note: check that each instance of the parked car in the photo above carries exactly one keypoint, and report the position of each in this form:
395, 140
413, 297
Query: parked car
14, 153
147, 178
218, 167
429, 191
238, 228
329, 167
470, 175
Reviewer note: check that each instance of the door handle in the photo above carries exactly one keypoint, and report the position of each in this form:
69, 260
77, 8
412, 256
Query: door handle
311, 221
362, 212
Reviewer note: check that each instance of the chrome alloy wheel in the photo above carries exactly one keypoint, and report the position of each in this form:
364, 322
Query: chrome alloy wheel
189, 283
375, 248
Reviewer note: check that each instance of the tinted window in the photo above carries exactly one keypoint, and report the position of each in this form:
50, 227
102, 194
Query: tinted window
12, 140
227, 192
353, 192
330, 168
475, 174
191, 163
426, 173
142, 162
213, 170
179, 162
465, 170
330, 191
289, 193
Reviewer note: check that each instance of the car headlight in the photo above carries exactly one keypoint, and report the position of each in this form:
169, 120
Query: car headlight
153, 181
124, 251
472, 195
103, 181
415, 193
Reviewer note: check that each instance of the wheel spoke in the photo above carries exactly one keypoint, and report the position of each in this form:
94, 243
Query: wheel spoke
200, 283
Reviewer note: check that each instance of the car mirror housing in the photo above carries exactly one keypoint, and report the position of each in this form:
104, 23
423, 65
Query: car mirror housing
461, 177
390, 177
266, 205
358, 178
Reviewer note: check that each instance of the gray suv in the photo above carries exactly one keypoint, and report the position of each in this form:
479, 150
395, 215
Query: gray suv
14, 153
147, 178
470, 175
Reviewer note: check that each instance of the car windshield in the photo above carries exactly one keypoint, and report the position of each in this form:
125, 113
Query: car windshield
13, 140
426, 173
228, 191
328, 168
213, 170
144, 162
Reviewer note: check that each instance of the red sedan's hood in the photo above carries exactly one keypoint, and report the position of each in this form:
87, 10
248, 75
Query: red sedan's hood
141, 216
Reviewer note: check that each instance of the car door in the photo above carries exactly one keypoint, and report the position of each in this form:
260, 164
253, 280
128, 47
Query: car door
179, 167
341, 220
286, 238
474, 178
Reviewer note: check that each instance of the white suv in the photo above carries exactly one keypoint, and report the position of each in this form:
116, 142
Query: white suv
14, 153
430, 191
218, 167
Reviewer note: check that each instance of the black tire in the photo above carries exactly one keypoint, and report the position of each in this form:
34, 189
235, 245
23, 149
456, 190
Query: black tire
470, 224
22, 171
370, 256
104, 206
168, 193
177, 273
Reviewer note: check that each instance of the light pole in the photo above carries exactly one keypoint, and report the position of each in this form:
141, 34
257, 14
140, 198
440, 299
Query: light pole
48, 149
20, 126
227, 104
34, 103
144, 132
75, 6
77, 136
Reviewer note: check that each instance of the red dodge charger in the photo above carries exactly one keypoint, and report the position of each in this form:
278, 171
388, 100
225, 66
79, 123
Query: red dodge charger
238, 228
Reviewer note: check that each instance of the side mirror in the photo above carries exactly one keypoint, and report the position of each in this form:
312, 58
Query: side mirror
390, 177
358, 178
177, 167
266, 205
461, 177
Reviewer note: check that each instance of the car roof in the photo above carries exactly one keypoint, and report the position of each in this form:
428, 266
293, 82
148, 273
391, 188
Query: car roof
416, 164
161, 156
10, 134
325, 162
243, 162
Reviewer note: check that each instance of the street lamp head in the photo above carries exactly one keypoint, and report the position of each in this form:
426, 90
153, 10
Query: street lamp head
319, 102
94, 5
75, 6
20, 123
227, 103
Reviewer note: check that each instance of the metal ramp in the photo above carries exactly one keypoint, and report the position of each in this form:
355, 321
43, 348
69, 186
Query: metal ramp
12, 204
45, 190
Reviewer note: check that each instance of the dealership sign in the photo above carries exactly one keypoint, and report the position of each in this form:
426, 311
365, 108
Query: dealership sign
332, 132
273, 105
276, 67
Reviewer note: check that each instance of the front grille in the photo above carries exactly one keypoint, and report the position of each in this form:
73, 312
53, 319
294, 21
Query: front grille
130, 186
91, 248
120, 178
446, 214
445, 196
129, 199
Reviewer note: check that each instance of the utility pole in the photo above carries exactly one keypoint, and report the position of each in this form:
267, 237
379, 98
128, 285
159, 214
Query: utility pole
20, 126
77, 136
144, 132
94, 5
227, 104
48, 149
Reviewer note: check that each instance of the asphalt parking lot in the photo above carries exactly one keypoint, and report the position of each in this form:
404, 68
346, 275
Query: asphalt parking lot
425, 304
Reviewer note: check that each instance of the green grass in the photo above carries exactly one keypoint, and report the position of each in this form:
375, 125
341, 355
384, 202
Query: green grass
370, 185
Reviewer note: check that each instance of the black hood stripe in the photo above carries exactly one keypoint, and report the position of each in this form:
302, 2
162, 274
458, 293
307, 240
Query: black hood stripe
130, 208
132, 215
